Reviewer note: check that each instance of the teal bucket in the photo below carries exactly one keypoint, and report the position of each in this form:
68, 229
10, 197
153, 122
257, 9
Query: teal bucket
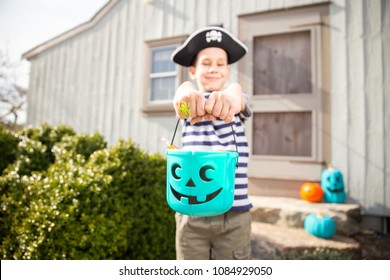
200, 183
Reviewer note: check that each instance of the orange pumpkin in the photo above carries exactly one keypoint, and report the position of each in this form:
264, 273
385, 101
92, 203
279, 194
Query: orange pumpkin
312, 192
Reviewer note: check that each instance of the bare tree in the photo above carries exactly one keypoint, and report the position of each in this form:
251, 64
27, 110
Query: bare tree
13, 98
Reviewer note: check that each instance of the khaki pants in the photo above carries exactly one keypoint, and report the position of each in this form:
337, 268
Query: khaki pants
223, 237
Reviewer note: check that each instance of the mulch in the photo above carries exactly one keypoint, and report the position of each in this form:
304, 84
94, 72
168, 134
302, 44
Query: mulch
375, 246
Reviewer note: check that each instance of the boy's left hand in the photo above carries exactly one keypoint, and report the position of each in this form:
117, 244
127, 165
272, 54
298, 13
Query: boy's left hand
223, 105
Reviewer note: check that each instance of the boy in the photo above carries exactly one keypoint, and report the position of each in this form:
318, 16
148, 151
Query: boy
214, 108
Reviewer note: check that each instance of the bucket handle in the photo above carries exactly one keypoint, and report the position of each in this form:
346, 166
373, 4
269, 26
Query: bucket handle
234, 137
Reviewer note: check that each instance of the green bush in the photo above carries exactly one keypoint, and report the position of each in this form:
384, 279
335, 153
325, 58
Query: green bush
46, 134
33, 151
93, 202
36, 150
8, 148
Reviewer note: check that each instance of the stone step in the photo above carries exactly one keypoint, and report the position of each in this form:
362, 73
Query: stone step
270, 241
291, 213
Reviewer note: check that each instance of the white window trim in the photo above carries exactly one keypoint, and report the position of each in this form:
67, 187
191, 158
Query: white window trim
159, 107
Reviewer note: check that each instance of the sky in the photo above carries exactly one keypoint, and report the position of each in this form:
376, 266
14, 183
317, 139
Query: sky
25, 24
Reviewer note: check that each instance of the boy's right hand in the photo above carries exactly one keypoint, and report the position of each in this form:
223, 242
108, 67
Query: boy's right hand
187, 94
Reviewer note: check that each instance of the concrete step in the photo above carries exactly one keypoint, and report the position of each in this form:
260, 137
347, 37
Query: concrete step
270, 241
291, 213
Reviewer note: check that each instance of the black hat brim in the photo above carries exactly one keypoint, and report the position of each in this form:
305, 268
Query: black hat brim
209, 37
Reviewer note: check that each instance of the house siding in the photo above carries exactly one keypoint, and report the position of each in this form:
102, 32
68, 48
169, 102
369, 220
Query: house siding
359, 101
94, 80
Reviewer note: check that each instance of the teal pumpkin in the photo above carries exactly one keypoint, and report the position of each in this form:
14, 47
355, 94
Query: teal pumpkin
332, 183
320, 225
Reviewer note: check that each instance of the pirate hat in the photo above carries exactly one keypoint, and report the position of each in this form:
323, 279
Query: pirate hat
208, 37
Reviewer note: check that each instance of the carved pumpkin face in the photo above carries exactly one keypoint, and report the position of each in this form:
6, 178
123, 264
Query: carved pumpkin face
332, 184
312, 192
200, 183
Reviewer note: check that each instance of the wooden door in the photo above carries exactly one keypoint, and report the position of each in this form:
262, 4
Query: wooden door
286, 77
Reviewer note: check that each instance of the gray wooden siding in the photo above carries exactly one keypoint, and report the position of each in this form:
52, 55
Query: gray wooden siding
360, 100
93, 81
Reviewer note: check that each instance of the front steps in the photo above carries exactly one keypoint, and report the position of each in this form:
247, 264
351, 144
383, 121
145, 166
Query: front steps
278, 233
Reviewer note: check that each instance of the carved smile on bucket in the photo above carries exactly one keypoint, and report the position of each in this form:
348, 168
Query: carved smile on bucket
194, 199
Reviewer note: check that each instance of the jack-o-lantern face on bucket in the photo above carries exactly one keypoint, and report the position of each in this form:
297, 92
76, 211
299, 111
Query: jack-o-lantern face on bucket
200, 183
198, 196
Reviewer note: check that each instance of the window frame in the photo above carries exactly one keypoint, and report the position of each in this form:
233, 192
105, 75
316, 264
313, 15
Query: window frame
159, 107
313, 19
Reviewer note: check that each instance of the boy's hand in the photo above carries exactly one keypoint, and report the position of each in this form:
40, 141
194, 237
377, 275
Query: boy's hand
187, 94
223, 105
226, 104
189, 102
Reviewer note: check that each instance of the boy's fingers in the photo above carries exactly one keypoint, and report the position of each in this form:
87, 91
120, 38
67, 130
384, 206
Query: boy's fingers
217, 108
199, 106
224, 112
195, 120
210, 103
210, 117
178, 112
182, 109
196, 101
229, 117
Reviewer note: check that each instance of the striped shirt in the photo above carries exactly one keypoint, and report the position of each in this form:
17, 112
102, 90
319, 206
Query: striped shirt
217, 136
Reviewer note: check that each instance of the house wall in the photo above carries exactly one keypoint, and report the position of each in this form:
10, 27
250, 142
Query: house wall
360, 100
94, 81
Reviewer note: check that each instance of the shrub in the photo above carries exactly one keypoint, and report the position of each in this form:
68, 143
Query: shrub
141, 179
34, 148
93, 202
24, 153
8, 148
31, 156
46, 134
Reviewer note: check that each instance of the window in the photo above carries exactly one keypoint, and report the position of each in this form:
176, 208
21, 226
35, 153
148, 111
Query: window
287, 77
163, 76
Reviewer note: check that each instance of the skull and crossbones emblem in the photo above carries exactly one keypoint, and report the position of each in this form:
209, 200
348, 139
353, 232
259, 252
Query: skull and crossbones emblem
213, 35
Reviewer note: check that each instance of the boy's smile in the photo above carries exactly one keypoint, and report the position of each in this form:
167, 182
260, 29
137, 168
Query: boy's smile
211, 69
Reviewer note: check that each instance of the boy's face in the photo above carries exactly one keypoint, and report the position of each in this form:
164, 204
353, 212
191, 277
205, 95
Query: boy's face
211, 70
